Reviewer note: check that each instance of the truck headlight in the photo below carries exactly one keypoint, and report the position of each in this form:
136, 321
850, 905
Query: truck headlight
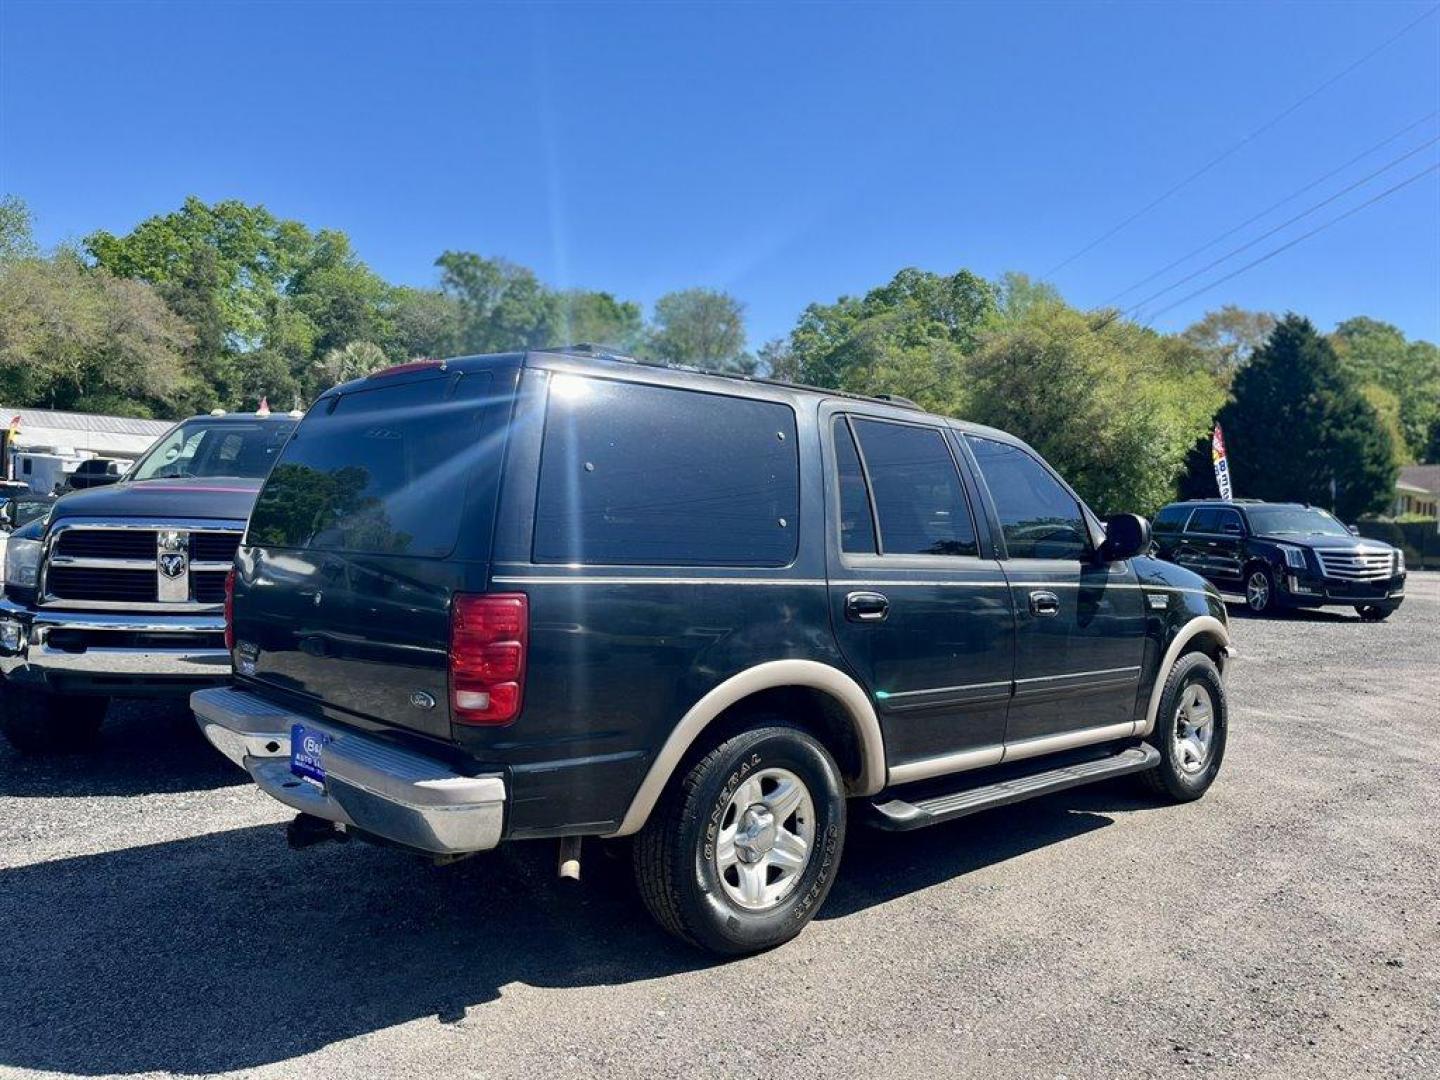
22, 562
1294, 556
1399, 561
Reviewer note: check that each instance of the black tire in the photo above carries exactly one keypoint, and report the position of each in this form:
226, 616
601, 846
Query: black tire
1178, 778
1374, 612
1259, 607
35, 722
675, 855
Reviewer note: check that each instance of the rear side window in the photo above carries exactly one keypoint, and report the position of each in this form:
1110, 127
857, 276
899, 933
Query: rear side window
857, 529
385, 472
649, 475
1040, 518
1170, 520
1204, 521
918, 499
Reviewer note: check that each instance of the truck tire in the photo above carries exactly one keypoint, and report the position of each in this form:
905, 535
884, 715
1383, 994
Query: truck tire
1374, 612
1259, 589
34, 722
1190, 730
742, 851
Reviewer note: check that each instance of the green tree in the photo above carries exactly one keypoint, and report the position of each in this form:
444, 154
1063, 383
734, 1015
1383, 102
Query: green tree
502, 306
1228, 336
1377, 353
1113, 406
1298, 428
76, 338
17, 237
353, 361
908, 337
423, 323
702, 328
597, 318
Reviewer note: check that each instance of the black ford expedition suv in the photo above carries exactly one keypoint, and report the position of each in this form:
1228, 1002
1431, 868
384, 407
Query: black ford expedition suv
562, 595
1282, 555
118, 590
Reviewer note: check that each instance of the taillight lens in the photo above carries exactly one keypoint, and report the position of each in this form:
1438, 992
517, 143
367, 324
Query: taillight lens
230, 610
488, 638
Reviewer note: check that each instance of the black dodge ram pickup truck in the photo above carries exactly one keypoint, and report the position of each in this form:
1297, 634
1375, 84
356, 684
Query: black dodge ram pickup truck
567, 595
118, 591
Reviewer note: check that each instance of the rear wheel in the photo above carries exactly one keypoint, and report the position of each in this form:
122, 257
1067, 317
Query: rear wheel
1190, 730
39, 723
1374, 612
741, 852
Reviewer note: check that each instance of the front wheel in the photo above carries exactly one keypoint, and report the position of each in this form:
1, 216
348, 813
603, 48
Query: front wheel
743, 850
1190, 730
1259, 591
1374, 612
35, 722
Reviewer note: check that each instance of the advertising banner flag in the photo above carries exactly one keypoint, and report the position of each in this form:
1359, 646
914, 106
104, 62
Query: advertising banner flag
1222, 464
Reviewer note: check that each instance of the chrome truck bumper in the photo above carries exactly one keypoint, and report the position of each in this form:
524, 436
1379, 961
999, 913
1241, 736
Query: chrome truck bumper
39, 645
382, 789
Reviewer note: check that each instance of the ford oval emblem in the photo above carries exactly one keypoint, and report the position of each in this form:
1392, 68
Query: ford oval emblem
421, 700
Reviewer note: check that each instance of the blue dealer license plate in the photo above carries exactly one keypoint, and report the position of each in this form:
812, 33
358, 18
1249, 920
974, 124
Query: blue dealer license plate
307, 753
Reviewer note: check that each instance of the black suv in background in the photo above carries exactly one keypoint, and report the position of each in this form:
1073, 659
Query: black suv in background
1282, 555
562, 595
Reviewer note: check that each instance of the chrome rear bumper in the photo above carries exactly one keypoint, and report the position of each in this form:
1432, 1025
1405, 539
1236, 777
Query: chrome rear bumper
380, 788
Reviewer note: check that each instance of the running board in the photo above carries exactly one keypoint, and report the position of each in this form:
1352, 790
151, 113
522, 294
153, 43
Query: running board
898, 815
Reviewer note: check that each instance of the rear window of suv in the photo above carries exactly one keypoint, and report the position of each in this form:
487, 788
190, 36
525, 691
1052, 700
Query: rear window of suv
381, 471
633, 474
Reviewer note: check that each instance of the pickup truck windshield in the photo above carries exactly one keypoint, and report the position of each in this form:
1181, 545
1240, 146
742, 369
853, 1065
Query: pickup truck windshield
237, 448
1293, 521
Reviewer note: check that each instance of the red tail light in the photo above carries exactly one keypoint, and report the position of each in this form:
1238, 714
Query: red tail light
488, 638
230, 610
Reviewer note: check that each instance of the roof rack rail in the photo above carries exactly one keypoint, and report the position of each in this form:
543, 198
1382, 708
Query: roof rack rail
603, 352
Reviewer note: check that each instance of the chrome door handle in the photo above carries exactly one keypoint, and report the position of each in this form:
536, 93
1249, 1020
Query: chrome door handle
1044, 602
867, 607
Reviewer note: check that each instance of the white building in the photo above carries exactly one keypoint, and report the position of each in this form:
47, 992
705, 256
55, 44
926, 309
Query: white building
83, 434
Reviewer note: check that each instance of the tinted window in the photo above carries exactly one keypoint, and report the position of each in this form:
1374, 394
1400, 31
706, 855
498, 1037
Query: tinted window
1227, 521
918, 500
635, 474
1204, 520
1295, 521
857, 530
1040, 518
1171, 519
236, 448
385, 472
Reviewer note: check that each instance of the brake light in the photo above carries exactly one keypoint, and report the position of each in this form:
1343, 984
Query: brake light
489, 635
230, 609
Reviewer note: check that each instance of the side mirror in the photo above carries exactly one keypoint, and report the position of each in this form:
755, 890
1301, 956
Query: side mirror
1126, 535
1354, 529
1232, 529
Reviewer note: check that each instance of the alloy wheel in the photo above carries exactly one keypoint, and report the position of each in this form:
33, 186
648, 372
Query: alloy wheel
767, 835
1194, 729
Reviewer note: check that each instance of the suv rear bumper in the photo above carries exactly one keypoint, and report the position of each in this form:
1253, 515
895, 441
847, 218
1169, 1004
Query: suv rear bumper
372, 785
111, 651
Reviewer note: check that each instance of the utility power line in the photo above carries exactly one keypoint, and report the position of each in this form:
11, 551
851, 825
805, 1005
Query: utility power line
1271, 208
1135, 308
1299, 239
1235, 147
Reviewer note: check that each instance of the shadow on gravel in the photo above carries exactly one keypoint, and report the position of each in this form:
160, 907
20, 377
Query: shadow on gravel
146, 748
227, 951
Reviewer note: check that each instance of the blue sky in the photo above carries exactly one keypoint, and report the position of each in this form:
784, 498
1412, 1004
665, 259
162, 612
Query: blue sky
787, 153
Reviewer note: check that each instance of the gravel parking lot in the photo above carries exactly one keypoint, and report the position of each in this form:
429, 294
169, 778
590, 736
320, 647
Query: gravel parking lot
152, 919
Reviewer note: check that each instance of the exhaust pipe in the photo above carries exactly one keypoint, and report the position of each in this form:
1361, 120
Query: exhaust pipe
568, 864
